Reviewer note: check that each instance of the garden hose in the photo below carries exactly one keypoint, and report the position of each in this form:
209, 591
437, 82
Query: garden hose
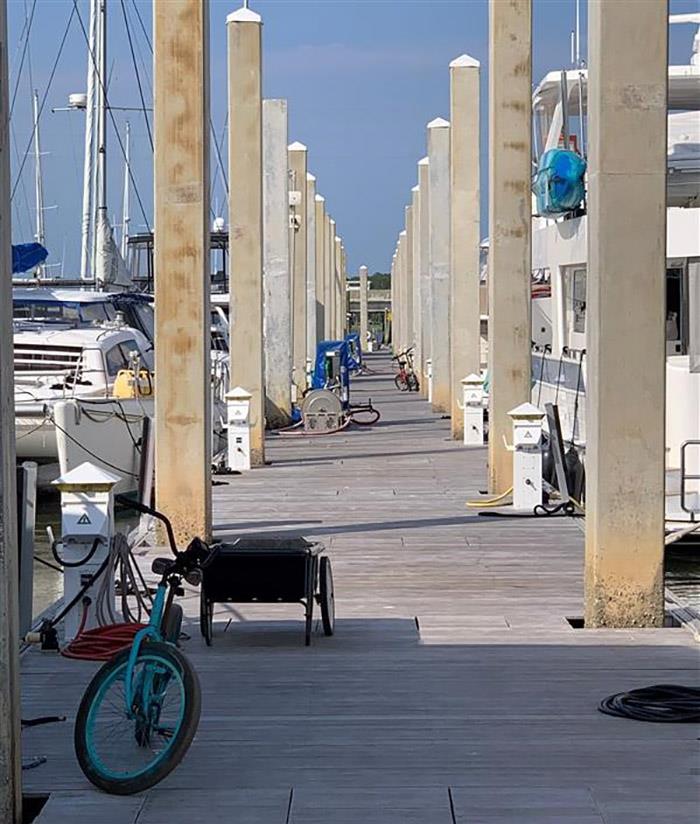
667, 703
490, 501
103, 642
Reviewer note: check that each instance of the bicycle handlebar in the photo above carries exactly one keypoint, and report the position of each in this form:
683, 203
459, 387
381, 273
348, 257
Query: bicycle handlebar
404, 353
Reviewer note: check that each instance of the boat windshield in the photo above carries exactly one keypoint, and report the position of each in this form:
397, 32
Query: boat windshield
51, 311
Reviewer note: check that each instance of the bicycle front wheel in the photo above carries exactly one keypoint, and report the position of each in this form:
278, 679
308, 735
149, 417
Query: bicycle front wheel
127, 750
400, 383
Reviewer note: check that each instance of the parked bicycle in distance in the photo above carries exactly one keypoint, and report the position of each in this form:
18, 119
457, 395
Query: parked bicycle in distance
141, 710
406, 379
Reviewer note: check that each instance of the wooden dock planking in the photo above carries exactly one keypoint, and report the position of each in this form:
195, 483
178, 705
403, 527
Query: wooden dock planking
454, 691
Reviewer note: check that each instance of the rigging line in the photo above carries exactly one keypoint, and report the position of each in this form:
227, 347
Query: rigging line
100, 79
138, 47
217, 145
28, 26
143, 27
146, 65
43, 99
23, 187
137, 73
29, 59
218, 152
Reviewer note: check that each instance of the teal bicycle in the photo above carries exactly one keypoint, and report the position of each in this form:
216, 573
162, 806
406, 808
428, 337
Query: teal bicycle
140, 712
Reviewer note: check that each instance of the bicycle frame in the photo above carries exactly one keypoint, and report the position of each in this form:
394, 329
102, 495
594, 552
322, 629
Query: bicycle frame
152, 630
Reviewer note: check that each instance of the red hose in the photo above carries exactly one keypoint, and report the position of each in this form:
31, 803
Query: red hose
102, 643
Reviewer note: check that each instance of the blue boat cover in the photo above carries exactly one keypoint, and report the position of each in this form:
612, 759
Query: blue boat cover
559, 186
322, 379
354, 351
26, 256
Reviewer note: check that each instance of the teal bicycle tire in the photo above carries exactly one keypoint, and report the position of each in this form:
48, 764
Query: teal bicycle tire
169, 660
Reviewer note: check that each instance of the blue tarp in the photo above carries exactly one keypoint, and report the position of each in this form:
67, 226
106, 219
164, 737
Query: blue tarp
323, 377
558, 185
26, 256
354, 351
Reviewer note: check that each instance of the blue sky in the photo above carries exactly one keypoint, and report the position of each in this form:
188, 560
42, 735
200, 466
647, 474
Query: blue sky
362, 77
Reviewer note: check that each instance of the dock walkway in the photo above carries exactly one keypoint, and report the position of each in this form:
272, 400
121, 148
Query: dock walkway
454, 690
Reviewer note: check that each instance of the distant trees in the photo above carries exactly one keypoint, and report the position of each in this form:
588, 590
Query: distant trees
380, 280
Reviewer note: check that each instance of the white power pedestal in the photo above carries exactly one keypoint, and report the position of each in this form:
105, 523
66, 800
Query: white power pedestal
473, 409
527, 456
309, 372
87, 514
429, 376
238, 426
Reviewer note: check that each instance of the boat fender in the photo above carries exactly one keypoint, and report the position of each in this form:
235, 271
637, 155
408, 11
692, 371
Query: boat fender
575, 474
548, 473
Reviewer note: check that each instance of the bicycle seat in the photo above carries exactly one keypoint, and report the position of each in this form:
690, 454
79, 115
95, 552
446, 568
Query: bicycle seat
161, 565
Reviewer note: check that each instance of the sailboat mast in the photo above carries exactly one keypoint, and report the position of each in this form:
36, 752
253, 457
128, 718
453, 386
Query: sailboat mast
102, 114
38, 183
85, 273
125, 203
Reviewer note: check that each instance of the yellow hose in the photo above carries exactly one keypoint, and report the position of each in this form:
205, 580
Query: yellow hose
490, 501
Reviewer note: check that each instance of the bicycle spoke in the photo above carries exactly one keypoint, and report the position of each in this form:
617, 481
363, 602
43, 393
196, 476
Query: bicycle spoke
124, 745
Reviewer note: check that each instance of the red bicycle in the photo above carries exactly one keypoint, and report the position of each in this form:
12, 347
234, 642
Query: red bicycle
406, 379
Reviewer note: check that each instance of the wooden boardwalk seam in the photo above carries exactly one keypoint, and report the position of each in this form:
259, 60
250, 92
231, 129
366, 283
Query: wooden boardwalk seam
454, 691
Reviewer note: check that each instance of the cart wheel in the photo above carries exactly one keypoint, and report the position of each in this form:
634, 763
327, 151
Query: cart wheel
206, 618
327, 597
309, 622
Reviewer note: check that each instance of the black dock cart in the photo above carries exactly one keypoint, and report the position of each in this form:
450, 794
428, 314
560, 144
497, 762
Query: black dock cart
268, 570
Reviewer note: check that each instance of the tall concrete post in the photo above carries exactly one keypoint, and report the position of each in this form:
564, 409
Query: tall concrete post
339, 290
408, 278
625, 387
510, 209
426, 322
397, 296
298, 223
465, 323
415, 276
320, 269
277, 316
182, 266
403, 315
439, 251
328, 279
333, 274
311, 319
344, 275
245, 205
393, 302
364, 303
10, 755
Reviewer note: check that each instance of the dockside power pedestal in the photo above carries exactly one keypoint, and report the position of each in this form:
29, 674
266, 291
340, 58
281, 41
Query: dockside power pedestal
87, 522
527, 456
238, 420
473, 409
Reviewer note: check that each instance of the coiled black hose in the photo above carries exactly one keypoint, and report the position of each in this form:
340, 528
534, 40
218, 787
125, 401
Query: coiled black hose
662, 702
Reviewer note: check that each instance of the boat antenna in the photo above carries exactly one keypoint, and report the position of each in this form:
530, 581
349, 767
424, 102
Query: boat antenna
578, 34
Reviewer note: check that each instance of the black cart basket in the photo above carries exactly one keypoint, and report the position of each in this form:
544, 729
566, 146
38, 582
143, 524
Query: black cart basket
268, 570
